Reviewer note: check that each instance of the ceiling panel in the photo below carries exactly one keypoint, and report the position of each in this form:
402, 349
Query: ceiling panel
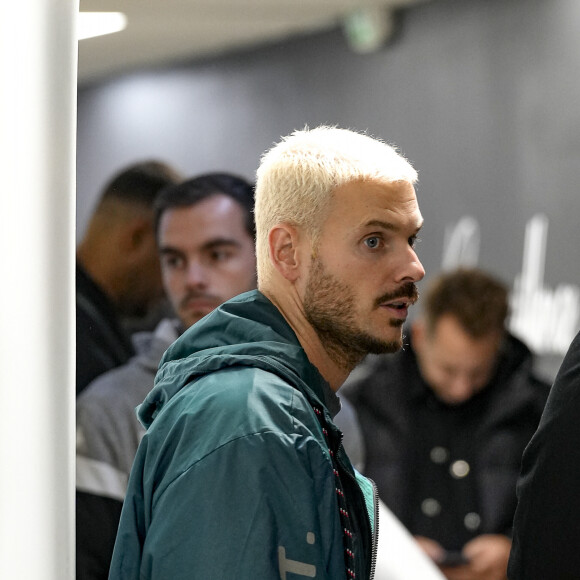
165, 31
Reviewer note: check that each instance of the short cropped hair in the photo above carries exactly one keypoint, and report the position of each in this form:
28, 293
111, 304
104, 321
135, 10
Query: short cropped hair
140, 183
195, 190
476, 299
297, 176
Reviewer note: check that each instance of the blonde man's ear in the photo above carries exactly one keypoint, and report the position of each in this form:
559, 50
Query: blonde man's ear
283, 247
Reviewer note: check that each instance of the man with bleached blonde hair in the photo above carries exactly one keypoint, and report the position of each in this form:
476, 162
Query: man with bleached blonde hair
296, 179
242, 473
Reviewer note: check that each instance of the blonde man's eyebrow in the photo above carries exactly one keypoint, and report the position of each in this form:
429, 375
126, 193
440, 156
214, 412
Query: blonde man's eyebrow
382, 224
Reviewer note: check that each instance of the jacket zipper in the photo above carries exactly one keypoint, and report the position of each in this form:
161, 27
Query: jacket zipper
376, 529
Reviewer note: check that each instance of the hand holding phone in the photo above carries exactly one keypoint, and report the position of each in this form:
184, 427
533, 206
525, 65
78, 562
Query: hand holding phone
453, 558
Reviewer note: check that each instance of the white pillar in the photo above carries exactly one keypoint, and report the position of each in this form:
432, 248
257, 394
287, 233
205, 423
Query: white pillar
38, 58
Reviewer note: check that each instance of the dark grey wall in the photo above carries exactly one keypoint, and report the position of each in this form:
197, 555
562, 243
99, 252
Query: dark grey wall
482, 95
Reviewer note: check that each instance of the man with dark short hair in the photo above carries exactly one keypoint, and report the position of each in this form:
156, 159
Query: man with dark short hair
205, 237
117, 269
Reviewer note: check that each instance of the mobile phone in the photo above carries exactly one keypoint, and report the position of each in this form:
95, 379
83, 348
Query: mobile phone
453, 558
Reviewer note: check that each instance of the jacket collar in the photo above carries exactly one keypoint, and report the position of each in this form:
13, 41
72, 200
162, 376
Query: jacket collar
247, 330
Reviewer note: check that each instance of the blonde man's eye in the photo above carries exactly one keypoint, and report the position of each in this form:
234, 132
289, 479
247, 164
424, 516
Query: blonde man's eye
372, 243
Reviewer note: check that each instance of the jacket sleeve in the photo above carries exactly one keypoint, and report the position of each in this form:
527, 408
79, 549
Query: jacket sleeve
546, 530
261, 506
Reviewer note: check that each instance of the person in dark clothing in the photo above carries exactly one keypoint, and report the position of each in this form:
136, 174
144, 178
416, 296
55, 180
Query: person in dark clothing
546, 531
101, 342
117, 269
445, 422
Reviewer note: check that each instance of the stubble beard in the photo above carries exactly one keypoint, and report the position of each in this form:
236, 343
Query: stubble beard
329, 306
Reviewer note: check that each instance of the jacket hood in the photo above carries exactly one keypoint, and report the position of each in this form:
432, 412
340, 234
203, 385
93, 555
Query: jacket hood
247, 330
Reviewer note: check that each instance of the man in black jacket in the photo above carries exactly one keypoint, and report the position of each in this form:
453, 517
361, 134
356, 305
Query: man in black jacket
445, 423
117, 270
546, 525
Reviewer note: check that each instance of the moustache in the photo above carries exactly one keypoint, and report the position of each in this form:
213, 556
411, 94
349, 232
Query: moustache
198, 296
407, 290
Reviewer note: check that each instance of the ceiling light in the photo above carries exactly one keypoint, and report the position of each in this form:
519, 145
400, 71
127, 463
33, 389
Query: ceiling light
368, 29
99, 23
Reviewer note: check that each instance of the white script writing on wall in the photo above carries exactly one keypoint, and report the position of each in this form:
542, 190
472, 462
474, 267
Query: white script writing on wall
546, 319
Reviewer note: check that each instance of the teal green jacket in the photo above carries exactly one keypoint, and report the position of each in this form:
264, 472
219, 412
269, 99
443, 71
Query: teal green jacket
234, 478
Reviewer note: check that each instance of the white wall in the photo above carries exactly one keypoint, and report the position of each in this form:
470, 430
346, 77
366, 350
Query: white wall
37, 153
